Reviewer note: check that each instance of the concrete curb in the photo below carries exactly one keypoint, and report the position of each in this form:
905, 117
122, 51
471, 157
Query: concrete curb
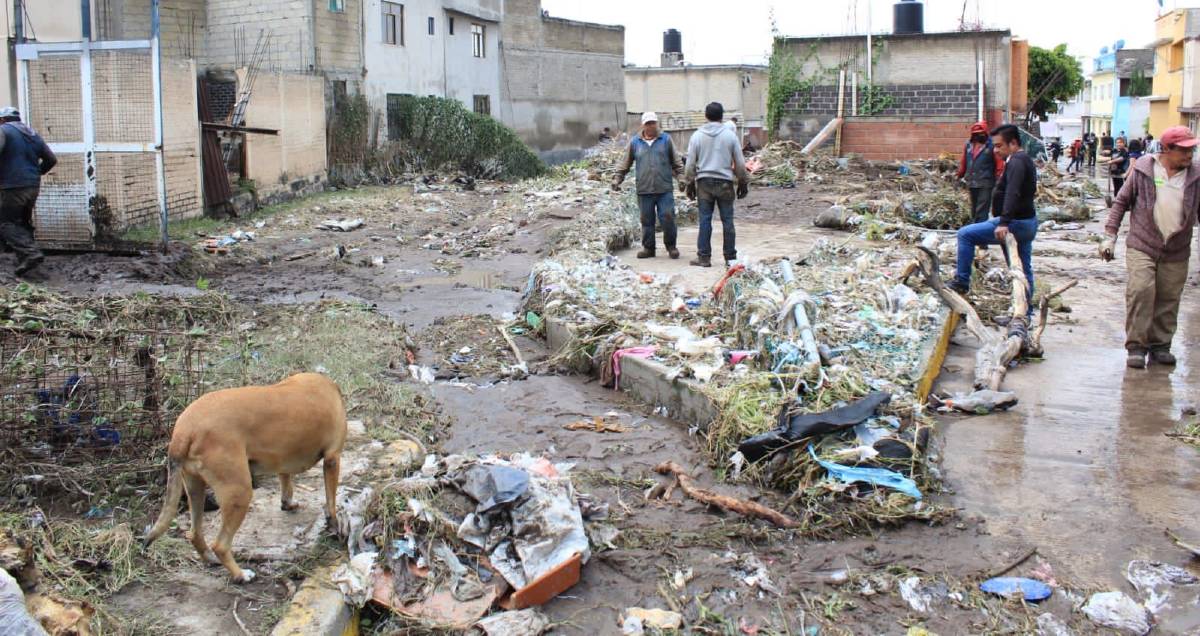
318, 609
652, 383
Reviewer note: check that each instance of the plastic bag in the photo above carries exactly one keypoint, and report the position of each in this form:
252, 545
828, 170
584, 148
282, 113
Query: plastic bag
14, 618
1119, 612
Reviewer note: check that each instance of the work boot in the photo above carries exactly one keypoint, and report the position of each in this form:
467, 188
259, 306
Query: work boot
1163, 357
673, 253
646, 254
1136, 359
702, 261
26, 264
958, 287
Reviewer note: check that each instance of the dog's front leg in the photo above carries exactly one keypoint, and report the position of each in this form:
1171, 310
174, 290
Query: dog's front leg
286, 501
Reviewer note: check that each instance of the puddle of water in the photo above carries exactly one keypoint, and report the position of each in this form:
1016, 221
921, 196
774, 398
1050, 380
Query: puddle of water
470, 277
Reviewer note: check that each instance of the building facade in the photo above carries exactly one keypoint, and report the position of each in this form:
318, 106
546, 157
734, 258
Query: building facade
1172, 30
917, 100
1120, 86
563, 80
678, 94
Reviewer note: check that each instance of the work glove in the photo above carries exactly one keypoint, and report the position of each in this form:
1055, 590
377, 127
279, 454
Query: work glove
690, 190
743, 189
1108, 247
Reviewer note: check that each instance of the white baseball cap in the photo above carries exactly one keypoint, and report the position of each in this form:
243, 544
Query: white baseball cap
9, 111
649, 116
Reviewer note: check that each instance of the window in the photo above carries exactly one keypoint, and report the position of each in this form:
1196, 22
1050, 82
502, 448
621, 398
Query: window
430, 25
483, 104
393, 23
477, 40
337, 6
451, 24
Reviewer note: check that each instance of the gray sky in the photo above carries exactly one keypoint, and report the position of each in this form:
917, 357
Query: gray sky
738, 31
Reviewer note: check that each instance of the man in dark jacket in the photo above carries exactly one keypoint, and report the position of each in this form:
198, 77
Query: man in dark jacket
657, 162
980, 169
1090, 142
1014, 210
24, 158
1161, 195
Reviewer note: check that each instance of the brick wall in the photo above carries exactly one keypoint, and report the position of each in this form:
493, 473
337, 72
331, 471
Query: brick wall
893, 139
912, 100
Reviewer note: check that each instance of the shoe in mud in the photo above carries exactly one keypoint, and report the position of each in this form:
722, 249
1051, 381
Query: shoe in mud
1136, 359
1163, 357
646, 254
958, 287
673, 253
702, 262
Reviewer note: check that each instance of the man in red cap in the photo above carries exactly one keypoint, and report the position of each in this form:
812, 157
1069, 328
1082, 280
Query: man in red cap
980, 169
1161, 195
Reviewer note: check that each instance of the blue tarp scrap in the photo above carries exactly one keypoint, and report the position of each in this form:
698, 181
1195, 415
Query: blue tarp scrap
877, 476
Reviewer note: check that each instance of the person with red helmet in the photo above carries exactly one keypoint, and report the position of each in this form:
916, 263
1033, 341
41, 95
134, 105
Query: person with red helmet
980, 170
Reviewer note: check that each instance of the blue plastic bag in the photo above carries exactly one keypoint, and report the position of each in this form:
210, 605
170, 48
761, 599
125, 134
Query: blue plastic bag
877, 476
1009, 586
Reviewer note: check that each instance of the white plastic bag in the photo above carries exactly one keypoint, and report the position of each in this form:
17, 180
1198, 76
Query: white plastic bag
14, 618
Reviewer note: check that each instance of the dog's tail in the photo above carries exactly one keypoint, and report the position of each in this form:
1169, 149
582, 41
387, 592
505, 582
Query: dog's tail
170, 503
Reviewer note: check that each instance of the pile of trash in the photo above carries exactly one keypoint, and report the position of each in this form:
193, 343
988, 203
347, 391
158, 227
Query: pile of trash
463, 535
469, 347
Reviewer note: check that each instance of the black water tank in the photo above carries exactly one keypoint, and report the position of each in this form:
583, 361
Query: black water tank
908, 17
672, 41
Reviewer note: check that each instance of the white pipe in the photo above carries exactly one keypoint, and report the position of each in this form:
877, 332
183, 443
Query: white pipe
812, 356
979, 84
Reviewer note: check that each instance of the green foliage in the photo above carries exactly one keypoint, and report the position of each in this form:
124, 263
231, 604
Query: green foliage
1139, 84
783, 81
875, 100
441, 133
1054, 76
348, 131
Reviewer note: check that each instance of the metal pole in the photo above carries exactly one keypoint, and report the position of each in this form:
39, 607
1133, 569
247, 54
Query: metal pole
854, 94
837, 151
19, 20
85, 19
156, 80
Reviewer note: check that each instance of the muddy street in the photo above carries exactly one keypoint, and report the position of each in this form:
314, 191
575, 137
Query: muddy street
1081, 469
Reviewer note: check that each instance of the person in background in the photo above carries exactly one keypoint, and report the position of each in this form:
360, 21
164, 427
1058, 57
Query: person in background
980, 169
657, 164
1152, 145
716, 173
24, 160
1014, 210
1136, 150
1090, 141
1075, 154
605, 135
1118, 164
1161, 198
1056, 151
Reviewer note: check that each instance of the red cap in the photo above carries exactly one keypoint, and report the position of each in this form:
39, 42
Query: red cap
979, 127
1179, 136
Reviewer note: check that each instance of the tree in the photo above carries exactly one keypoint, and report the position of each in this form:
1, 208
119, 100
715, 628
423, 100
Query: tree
1139, 84
1054, 76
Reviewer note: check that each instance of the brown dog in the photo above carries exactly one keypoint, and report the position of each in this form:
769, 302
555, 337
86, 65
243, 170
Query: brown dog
225, 435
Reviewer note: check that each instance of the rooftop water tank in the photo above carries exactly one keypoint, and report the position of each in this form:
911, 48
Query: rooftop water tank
908, 17
672, 41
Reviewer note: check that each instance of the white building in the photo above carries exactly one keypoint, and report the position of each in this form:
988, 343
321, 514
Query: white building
442, 48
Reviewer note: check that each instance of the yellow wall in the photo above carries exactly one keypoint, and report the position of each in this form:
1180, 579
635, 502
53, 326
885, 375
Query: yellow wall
52, 20
1103, 87
1170, 30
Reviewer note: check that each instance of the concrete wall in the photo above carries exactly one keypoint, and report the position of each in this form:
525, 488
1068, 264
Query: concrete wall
929, 76
339, 39
467, 75
54, 21
686, 88
235, 24
295, 158
563, 81
181, 140
181, 24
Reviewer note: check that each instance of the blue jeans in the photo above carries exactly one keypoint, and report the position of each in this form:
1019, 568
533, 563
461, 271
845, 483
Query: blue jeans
717, 193
661, 206
976, 234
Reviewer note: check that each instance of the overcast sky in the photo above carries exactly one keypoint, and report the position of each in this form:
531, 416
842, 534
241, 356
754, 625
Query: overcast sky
738, 31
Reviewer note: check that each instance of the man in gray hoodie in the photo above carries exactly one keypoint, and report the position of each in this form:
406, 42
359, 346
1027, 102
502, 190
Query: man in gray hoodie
714, 160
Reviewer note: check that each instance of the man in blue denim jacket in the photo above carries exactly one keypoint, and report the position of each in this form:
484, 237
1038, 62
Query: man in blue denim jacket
657, 165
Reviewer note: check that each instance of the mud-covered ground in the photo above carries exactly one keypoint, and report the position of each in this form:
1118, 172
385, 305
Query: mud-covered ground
1079, 470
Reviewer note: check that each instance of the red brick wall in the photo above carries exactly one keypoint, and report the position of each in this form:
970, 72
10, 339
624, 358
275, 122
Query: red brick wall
898, 140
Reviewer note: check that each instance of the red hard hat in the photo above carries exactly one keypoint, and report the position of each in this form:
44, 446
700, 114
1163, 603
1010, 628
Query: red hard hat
979, 127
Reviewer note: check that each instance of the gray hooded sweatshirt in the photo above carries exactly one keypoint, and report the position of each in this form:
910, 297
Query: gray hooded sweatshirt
714, 153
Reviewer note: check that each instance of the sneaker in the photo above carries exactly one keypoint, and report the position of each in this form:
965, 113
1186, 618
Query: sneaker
958, 287
646, 254
702, 261
1136, 359
673, 253
27, 264
1163, 357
